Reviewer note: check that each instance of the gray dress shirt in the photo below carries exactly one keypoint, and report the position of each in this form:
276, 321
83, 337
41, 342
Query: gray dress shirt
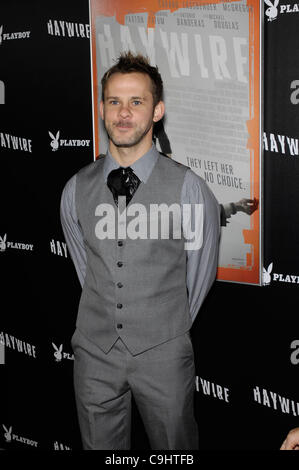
201, 263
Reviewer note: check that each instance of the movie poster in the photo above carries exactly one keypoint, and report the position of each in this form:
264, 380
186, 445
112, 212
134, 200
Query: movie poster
209, 56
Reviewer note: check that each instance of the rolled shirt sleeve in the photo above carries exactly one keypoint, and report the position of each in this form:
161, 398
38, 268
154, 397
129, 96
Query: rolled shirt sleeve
202, 260
72, 230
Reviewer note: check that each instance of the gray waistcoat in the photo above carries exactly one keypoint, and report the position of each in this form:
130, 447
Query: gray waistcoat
133, 289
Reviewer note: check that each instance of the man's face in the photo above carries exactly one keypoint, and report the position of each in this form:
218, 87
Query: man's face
128, 109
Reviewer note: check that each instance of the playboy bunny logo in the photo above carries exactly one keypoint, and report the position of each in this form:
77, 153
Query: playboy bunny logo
272, 11
1, 31
267, 275
54, 143
58, 352
3, 243
7, 433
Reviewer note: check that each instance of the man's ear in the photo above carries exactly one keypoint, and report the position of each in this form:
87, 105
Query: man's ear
159, 111
102, 110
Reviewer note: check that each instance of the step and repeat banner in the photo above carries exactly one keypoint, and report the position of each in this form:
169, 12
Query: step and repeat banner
45, 137
246, 345
280, 139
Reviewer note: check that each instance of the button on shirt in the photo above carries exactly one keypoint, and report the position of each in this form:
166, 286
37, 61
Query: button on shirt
201, 263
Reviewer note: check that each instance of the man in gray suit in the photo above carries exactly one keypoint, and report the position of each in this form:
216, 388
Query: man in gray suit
142, 287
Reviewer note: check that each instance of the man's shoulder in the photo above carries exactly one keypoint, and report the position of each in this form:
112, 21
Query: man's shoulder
169, 161
85, 171
191, 178
92, 167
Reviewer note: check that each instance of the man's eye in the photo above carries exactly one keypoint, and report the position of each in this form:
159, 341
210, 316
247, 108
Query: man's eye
113, 102
136, 102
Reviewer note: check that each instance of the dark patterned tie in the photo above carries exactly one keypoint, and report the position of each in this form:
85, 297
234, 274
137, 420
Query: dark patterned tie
123, 182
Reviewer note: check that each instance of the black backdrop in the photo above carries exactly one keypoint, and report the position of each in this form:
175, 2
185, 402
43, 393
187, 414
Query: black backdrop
243, 335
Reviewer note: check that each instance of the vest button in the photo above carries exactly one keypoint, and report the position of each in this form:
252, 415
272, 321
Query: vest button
120, 243
119, 264
119, 284
119, 305
119, 326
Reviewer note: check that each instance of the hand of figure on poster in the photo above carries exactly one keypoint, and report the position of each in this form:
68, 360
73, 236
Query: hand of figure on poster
291, 442
249, 206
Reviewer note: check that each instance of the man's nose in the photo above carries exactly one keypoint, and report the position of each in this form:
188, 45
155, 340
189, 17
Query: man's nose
125, 111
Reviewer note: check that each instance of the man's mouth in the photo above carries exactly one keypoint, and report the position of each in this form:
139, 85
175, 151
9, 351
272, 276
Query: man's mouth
124, 125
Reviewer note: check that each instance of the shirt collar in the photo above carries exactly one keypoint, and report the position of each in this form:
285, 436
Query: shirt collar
142, 167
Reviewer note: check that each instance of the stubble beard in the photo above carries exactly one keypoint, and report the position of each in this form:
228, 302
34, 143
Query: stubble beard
124, 141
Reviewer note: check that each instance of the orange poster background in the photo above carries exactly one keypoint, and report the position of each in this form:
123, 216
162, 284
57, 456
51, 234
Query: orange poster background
251, 273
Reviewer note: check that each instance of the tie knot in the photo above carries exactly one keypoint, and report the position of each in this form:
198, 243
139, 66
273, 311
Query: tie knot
127, 174
123, 182
127, 169
120, 177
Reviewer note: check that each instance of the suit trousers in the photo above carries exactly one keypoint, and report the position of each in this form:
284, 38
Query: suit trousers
162, 381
